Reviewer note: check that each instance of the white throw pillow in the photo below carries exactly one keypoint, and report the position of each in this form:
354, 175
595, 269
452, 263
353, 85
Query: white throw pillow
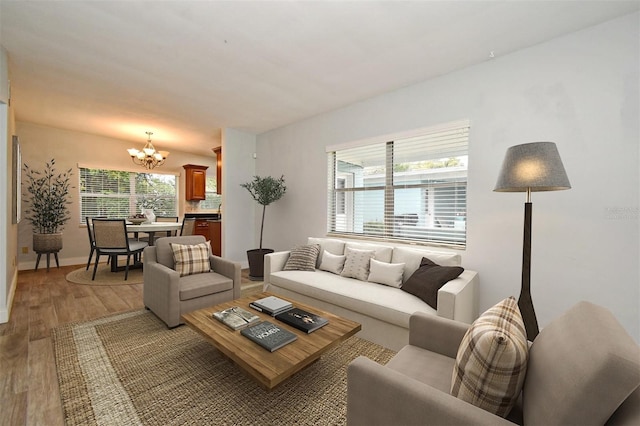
332, 262
412, 258
332, 245
386, 273
357, 264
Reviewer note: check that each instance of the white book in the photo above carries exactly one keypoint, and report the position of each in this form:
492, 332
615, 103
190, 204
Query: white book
271, 305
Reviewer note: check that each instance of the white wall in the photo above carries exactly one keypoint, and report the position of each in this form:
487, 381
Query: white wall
580, 91
238, 208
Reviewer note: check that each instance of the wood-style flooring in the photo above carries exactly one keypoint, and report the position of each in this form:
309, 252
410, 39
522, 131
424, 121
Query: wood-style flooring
29, 393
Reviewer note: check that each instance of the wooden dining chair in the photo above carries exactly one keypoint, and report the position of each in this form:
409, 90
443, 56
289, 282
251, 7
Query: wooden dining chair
110, 237
188, 226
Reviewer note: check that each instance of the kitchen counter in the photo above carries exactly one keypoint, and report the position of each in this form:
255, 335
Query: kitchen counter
204, 215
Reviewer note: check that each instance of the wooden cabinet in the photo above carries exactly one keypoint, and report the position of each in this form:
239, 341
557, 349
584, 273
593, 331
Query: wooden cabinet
215, 236
218, 152
212, 231
196, 182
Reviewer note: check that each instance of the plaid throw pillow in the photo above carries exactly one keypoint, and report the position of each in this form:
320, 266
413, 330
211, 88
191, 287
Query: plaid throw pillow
191, 259
492, 360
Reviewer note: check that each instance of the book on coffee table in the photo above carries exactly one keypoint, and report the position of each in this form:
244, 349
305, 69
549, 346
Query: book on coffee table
268, 335
236, 317
302, 320
271, 305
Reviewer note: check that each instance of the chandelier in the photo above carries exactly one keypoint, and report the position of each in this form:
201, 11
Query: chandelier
148, 157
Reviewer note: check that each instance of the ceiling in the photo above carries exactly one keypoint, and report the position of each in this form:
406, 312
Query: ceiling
186, 69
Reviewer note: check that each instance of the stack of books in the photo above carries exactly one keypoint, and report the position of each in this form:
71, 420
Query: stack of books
271, 305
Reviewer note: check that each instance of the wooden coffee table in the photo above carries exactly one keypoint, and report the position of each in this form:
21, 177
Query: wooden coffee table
270, 368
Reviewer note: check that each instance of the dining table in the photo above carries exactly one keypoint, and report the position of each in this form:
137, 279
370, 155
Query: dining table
153, 227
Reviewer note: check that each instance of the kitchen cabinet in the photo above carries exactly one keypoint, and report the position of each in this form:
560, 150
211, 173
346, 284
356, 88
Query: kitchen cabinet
212, 231
218, 152
215, 236
196, 182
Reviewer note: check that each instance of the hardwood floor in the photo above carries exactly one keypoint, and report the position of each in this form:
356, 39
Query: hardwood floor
29, 392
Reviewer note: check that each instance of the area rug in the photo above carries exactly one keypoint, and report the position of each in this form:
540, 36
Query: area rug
104, 276
130, 369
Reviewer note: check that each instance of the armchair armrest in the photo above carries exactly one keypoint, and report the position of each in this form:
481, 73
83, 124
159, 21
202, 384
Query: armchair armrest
230, 270
436, 334
274, 262
162, 286
377, 395
458, 299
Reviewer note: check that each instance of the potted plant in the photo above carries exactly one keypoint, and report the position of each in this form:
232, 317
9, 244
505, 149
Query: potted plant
265, 190
47, 209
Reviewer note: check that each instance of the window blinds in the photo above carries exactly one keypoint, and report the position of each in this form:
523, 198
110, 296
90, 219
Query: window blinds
410, 189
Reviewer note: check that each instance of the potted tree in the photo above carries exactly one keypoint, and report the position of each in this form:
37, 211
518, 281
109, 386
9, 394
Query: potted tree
265, 190
47, 209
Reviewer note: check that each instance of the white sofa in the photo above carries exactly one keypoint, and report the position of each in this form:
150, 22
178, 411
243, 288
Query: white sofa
382, 310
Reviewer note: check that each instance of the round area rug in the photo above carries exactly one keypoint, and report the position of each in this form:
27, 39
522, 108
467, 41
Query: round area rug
104, 276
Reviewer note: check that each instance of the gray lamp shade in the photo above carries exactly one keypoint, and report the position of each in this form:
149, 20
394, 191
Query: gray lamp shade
532, 167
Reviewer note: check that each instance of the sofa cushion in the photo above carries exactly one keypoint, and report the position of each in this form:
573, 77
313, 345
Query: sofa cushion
385, 303
413, 257
303, 258
491, 362
428, 279
356, 265
382, 253
386, 273
332, 245
199, 285
582, 366
332, 262
191, 259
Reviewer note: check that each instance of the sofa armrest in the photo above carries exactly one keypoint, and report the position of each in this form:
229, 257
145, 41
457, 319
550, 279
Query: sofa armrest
230, 270
377, 395
436, 334
458, 299
274, 262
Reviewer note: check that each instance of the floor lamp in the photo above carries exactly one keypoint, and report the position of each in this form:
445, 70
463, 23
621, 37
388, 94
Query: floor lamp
531, 167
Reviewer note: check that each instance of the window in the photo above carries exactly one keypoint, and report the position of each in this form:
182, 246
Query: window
411, 189
212, 199
120, 194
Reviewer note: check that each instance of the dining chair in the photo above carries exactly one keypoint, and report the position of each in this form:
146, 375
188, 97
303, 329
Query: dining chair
188, 226
110, 237
92, 244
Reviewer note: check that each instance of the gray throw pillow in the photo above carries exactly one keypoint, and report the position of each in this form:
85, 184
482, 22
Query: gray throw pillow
427, 280
303, 258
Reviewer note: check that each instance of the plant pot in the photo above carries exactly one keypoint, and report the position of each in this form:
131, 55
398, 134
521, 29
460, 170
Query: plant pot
256, 263
47, 243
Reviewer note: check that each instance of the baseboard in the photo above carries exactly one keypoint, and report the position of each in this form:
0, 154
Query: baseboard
25, 266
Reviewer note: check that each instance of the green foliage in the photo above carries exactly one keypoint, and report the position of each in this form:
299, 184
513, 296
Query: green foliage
48, 198
265, 190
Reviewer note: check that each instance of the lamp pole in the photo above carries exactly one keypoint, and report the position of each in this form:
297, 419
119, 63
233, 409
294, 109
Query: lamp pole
525, 303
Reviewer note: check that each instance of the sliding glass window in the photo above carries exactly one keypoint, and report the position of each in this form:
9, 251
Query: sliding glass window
411, 189
118, 194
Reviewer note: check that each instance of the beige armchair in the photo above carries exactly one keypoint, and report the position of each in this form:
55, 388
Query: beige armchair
169, 296
583, 369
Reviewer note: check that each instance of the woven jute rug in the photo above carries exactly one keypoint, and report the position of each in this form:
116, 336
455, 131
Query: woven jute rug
104, 276
129, 369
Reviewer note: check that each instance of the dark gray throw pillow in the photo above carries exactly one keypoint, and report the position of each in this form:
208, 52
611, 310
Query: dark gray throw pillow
427, 280
303, 258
